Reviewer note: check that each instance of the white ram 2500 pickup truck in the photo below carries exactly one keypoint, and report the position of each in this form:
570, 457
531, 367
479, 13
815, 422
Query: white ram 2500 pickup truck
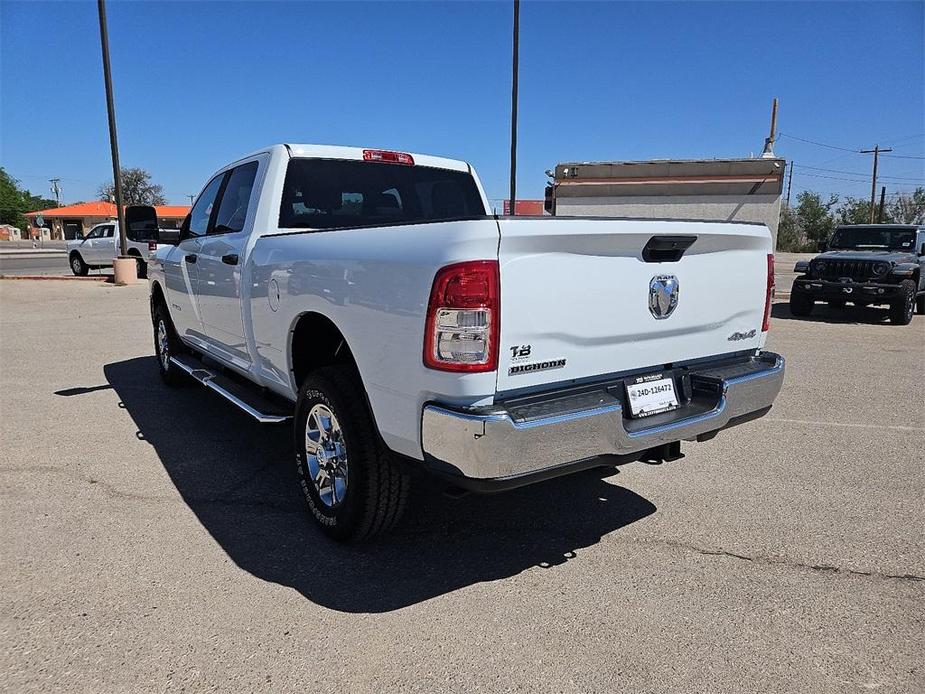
371, 297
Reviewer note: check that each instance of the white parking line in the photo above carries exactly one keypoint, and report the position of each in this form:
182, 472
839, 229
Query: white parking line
844, 424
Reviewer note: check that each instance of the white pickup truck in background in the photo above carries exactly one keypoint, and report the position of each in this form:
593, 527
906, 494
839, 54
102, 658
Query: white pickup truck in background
101, 244
369, 296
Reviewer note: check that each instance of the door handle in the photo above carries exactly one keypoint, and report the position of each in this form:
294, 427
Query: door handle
190, 258
230, 259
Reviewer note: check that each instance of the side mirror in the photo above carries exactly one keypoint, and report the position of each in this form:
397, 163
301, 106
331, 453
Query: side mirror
141, 223
171, 237
822, 246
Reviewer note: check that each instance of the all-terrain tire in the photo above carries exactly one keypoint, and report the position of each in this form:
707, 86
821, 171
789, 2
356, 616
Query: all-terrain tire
920, 305
836, 304
78, 266
901, 309
166, 345
376, 488
141, 267
801, 304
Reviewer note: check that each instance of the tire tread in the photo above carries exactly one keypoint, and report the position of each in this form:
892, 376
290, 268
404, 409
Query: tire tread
387, 486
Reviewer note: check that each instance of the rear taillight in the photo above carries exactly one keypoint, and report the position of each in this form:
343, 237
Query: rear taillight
766, 324
388, 157
464, 318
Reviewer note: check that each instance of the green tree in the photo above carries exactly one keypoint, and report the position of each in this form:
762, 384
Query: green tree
856, 211
814, 217
908, 208
15, 201
137, 189
788, 231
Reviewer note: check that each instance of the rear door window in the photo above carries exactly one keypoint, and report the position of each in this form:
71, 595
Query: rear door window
335, 193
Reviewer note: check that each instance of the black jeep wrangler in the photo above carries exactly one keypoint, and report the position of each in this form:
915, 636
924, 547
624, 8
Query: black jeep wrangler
866, 264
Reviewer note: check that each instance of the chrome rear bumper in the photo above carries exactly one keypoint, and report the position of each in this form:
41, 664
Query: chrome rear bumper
501, 444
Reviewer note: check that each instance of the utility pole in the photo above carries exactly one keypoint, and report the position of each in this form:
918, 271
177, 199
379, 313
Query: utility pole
882, 201
56, 189
113, 140
768, 152
876, 151
789, 183
514, 70
190, 199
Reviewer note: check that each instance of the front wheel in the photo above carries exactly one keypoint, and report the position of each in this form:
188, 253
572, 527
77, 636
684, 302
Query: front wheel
800, 304
353, 487
836, 304
902, 309
166, 345
78, 266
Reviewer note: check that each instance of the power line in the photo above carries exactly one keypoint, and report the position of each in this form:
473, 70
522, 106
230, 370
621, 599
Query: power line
831, 178
858, 173
820, 144
852, 151
849, 180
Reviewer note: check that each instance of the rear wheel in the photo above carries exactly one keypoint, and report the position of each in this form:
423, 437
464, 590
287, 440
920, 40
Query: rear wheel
166, 345
353, 487
901, 309
141, 267
801, 304
78, 266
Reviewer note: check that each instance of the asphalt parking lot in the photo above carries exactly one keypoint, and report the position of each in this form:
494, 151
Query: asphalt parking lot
154, 539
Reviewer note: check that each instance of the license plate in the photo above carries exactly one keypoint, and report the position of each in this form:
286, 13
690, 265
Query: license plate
650, 395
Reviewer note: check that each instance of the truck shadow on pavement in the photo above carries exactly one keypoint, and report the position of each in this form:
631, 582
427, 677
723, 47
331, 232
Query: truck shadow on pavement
822, 313
238, 477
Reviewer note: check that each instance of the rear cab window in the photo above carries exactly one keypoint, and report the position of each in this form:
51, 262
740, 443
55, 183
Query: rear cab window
338, 193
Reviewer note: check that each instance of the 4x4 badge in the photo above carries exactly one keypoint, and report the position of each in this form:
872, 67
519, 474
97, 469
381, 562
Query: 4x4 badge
663, 295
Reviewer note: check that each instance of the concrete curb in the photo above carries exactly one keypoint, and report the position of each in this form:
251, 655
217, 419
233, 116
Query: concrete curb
64, 278
23, 252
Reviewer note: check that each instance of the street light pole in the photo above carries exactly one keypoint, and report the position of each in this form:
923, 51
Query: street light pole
113, 140
514, 71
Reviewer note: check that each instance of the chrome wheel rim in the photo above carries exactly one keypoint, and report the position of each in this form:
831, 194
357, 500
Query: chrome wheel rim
163, 348
75, 263
326, 455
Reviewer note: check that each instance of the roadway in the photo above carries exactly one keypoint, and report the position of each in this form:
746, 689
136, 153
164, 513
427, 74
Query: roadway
154, 539
19, 264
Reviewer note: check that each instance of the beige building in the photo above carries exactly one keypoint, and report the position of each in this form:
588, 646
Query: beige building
744, 190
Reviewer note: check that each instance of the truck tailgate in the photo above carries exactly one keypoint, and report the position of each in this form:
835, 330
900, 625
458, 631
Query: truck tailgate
575, 296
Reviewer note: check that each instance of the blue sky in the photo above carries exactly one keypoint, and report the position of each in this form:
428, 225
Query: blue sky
197, 84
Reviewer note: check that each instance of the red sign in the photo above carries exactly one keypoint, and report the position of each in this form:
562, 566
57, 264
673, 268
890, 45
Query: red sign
525, 207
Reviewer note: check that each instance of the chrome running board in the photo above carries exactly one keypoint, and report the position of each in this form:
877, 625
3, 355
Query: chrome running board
246, 399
